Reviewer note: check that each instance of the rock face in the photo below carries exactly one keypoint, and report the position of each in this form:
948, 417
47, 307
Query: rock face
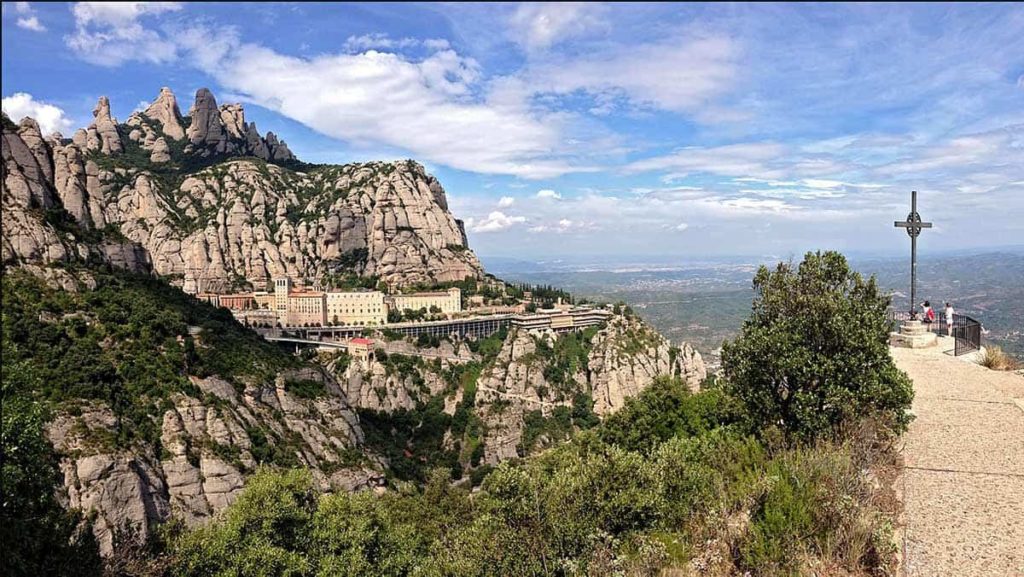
103, 134
511, 389
207, 132
164, 110
238, 220
161, 152
615, 363
36, 180
379, 387
207, 452
624, 358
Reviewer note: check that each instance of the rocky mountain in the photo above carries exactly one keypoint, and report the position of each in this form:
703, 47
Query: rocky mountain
161, 405
540, 374
206, 450
534, 389
209, 204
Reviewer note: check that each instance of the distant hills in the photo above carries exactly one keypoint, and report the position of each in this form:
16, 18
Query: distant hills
706, 302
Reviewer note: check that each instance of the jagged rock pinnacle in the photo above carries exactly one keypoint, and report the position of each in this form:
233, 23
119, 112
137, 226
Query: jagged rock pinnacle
165, 111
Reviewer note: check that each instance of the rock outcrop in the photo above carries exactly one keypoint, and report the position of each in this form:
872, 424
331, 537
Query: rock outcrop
206, 134
380, 387
29, 195
207, 450
164, 110
623, 359
626, 357
224, 131
103, 134
514, 386
237, 220
161, 152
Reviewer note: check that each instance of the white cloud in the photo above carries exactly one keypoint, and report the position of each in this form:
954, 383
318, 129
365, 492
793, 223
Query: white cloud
50, 118
31, 23
384, 42
377, 41
506, 201
28, 18
110, 33
539, 25
431, 107
548, 193
681, 75
496, 221
564, 223
436, 44
682, 226
748, 160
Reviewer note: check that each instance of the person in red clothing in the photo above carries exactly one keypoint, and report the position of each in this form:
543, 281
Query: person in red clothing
928, 314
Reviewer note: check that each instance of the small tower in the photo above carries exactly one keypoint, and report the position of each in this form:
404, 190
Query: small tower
282, 286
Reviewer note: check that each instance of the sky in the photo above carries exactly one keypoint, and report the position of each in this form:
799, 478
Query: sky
594, 129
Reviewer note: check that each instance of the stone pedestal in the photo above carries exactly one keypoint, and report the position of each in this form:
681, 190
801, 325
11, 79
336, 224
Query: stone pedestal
913, 335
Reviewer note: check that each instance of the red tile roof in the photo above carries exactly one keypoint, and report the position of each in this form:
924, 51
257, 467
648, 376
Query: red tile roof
361, 341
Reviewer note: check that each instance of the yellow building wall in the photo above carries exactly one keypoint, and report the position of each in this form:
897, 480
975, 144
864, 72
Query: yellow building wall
363, 308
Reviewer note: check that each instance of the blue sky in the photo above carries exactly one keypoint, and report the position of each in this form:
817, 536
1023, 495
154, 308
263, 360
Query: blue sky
594, 129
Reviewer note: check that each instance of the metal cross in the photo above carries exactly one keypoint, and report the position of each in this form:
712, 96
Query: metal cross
913, 225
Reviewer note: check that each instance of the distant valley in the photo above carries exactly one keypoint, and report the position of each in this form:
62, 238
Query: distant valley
704, 302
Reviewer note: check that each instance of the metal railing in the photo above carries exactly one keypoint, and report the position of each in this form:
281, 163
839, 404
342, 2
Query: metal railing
965, 330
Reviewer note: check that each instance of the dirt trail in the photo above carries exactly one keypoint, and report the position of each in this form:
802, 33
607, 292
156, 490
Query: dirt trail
963, 485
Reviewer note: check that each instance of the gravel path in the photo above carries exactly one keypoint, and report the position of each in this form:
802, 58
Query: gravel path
963, 482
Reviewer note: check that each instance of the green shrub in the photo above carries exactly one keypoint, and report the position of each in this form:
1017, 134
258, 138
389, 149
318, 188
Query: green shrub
814, 355
265, 532
39, 536
664, 410
305, 388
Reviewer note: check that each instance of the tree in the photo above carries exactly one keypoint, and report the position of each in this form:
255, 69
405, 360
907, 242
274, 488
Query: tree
814, 354
265, 532
39, 536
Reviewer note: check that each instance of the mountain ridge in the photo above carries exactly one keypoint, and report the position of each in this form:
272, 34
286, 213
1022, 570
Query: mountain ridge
214, 206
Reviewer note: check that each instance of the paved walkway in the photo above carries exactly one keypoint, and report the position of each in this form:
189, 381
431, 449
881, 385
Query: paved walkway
963, 483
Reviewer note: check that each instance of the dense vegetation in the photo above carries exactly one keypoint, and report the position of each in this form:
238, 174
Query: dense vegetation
130, 342
740, 478
587, 507
40, 537
707, 481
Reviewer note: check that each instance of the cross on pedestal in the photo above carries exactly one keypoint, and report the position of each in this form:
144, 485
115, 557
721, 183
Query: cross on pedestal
913, 225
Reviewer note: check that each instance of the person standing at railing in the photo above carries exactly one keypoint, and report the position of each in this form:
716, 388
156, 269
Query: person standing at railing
928, 314
949, 319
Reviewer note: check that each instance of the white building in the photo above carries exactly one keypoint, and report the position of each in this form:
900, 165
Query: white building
449, 301
363, 308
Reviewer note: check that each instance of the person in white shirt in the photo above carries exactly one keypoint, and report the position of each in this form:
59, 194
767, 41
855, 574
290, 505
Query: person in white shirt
949, 319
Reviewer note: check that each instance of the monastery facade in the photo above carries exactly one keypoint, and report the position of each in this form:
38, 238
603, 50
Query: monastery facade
301, 307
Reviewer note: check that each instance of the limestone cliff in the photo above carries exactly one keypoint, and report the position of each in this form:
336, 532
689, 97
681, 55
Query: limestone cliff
215, 205
38, 228
533, 378
208, 445
533, 373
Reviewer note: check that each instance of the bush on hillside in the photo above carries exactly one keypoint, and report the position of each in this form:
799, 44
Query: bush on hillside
813, 356
40, 537
997, 360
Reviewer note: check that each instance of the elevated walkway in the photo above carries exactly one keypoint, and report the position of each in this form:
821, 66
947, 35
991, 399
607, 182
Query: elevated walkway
963, 480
